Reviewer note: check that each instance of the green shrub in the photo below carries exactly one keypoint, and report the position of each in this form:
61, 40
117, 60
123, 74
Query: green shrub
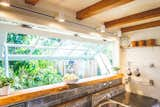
29, 74
5, 81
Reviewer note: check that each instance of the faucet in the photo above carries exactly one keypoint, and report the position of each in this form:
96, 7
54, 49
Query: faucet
108, 96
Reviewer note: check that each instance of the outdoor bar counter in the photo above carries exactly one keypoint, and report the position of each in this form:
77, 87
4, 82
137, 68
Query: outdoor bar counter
53, 95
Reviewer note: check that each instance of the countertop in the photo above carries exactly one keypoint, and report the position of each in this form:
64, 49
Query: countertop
135, 100
32, 93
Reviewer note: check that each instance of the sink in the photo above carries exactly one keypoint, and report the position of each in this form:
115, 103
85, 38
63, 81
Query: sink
127, 99
111, 103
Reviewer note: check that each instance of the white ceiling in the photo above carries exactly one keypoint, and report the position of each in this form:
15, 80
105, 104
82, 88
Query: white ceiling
69, 7
74, 5
136, 6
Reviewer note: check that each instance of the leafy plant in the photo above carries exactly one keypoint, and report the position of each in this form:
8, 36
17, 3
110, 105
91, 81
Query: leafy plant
5, 81
1, 71
35, 73
31, 73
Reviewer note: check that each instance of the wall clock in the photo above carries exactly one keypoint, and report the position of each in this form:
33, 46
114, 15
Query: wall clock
124, 42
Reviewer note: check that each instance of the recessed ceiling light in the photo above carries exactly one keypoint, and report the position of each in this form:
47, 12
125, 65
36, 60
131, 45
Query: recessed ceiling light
5, 3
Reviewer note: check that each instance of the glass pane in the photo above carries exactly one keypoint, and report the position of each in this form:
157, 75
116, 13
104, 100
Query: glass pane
18, 50
1, 51
37, 52
85, 59
48, 42
108, 51
77, 53
1, 67
62, 53
34, 73
13, 38
1, 61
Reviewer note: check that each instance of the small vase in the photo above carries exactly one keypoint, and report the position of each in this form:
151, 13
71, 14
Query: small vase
151, 42
141, 43
4, 90
133, 43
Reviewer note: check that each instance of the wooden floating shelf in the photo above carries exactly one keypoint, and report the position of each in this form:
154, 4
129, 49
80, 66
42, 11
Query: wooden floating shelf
141, 47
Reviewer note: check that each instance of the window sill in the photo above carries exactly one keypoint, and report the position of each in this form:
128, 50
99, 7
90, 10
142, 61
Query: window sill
32, 93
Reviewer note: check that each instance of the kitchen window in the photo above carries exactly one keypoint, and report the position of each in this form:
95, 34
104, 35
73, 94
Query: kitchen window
35, 60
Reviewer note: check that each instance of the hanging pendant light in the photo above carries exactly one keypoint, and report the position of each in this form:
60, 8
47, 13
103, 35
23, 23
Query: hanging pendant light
102, 28
5, 3
61, 17
119, 33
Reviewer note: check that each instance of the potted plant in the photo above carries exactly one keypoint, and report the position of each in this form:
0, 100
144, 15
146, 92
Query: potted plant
115, 69
5, 83
70, 78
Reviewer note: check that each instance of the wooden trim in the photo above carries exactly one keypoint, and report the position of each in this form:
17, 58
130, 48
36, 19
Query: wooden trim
28, 94
134, 18
141, 26
99, 7
32, 2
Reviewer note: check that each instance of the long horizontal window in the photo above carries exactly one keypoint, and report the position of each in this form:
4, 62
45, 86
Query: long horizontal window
34, 60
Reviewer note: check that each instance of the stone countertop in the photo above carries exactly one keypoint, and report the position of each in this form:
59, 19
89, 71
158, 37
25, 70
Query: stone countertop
37, 92
135, 100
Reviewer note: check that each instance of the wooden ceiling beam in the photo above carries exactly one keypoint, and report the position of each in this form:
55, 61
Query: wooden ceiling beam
99, 7
141, 26
32, 2
134, 18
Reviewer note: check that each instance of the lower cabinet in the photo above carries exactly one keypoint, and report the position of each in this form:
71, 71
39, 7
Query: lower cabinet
94, 100
81, 102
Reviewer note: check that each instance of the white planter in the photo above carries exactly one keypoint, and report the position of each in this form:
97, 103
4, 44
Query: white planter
4, 91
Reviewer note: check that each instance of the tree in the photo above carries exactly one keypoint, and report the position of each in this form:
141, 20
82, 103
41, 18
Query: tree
30, 73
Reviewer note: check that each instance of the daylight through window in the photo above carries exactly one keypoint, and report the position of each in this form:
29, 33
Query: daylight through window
35, 61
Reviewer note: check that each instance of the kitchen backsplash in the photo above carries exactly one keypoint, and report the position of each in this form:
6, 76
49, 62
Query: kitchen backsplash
147, 60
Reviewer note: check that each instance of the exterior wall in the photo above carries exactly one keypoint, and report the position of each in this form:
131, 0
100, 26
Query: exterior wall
142, 58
